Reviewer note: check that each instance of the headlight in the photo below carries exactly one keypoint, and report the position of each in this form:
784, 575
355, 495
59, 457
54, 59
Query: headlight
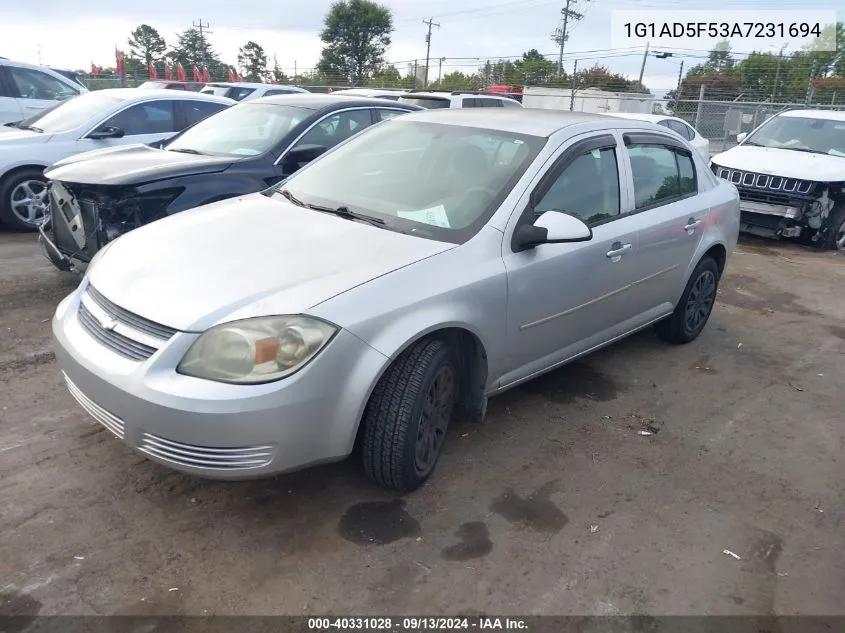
257, 350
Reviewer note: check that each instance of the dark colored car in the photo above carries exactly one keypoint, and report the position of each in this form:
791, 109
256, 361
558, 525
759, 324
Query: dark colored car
98, 196
172, 85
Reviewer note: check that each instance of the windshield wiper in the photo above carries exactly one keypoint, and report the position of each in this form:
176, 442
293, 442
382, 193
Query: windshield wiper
805, 149
186, 150
31, 127
342, 212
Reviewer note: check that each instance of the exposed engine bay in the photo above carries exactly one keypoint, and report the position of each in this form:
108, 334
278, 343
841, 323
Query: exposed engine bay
84, 218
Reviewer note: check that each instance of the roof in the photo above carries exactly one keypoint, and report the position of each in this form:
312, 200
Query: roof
831, 115
515, 120
247, 84
162, 93
318, 101
369, 91
654, 118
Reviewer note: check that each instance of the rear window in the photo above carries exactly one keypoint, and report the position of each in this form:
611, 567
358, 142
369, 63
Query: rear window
427, 102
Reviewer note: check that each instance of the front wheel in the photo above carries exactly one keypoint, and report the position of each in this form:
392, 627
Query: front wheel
406, 419
693, 310
834, 236
23, 199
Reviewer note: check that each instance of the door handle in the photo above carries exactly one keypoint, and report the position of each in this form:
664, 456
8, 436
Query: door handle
616, 251
32, 107
692, 224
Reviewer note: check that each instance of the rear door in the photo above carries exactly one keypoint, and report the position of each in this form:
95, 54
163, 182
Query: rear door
665, 184
145, 122
10, 109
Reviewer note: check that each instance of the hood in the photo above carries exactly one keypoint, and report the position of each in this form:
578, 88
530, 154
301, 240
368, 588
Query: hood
783, 162
244, 257
133, 165
12, 136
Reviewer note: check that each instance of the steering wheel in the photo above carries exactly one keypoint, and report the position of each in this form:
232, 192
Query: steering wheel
474, 194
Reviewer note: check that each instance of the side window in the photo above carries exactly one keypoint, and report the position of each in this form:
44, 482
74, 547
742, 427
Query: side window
510, 103
6, 89
587, 188
660, 174
337, 128
681, 128
195, 111
491, 103
33, 84
278, 91
384, 115
238, 94
152, 117
470, 102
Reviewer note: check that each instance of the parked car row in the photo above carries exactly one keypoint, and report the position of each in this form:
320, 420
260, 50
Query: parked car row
274, 328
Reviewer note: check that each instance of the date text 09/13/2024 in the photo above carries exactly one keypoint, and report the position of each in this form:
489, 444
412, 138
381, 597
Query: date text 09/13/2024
417, 624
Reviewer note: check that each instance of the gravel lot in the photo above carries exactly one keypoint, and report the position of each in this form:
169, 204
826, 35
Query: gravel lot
554, 505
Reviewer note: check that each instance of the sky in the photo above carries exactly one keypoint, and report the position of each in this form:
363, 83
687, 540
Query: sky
73, 34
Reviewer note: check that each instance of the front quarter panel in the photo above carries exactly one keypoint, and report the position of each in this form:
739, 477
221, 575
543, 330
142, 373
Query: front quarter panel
464, 287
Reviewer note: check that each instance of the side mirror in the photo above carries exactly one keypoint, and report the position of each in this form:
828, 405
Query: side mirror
741, 137
109, 131
305, 154
553, 227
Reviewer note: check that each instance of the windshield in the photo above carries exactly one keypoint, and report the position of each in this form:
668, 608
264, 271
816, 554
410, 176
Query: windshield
71, 114
426, 102
249, 129
214, 89
436, 181
821, 136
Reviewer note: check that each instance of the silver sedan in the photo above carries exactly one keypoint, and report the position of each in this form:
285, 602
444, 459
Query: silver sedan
412, 272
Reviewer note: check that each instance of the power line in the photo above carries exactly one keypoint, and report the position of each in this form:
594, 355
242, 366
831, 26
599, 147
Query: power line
200, 26
560, 35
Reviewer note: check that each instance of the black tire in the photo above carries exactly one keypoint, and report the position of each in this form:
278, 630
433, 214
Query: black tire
834, 231
694, 308
7, 186
393, 421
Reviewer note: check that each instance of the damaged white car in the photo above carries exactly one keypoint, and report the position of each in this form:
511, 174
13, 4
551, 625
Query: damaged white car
790, 173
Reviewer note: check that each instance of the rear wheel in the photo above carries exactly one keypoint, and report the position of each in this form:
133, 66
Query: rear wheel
693, 310
23, 199
406, 419
834, 237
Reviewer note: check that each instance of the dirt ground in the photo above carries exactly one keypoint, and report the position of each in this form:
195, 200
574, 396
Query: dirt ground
554, 505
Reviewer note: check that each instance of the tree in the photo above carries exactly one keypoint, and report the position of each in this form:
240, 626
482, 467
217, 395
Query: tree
601, 78
253, 61
146, 45
278, 74
386, 77
535, 70
193, 49
356, 34
459, 81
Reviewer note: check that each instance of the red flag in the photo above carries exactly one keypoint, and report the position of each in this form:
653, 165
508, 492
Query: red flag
95, 70
205, 76
238, 77
180, 72
153, 72
231, 75
168, 75
197, 76
119, 66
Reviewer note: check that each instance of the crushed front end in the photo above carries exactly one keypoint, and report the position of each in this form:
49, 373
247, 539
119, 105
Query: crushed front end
779, 207
84, 218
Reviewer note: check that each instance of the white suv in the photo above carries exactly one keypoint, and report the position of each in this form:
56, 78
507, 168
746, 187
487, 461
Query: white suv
26, 89
458, 99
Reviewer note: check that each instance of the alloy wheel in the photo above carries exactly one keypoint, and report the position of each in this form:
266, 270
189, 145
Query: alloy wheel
700, 301
29, 202
434, 419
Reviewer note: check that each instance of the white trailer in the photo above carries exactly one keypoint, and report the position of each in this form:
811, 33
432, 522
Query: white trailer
587, 100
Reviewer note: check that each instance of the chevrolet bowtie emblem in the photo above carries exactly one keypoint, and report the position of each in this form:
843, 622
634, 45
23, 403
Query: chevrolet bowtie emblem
108, 324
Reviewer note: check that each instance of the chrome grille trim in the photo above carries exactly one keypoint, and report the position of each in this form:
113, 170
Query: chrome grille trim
242, 458
752, 180
152, 328
108, 420
116, 342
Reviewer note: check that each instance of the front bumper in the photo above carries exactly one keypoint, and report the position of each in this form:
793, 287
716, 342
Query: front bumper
217, 430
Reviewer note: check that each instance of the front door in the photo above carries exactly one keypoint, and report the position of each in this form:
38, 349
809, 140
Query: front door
566, 298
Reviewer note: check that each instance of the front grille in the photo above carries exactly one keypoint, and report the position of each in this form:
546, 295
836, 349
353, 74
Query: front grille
746, 180
205, 457
769, 197
118, 343
138, 322
108, 420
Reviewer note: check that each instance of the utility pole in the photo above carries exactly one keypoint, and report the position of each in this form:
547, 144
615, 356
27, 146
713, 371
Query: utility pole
430, 22
440, 73
572, 96
559, 35
678, 89
810, 88
642, 68
202, 28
